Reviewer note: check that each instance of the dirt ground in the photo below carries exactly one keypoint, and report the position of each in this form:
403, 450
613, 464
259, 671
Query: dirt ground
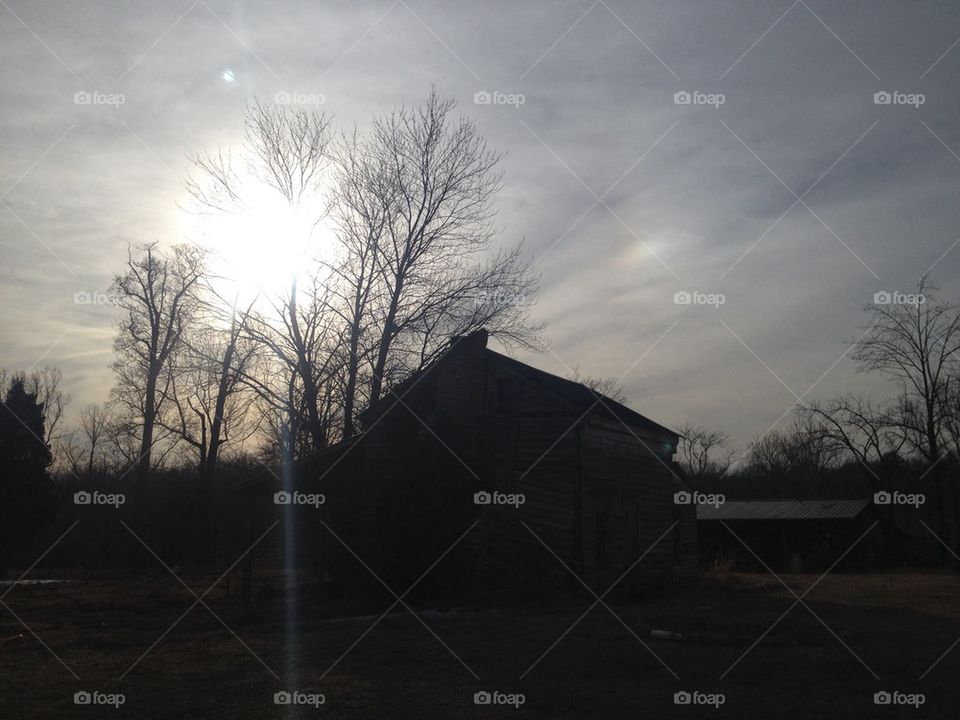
228, 661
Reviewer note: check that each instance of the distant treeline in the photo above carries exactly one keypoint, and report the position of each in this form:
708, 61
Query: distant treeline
854, 447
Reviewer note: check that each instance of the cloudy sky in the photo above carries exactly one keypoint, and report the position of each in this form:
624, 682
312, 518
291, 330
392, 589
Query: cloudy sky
783, 187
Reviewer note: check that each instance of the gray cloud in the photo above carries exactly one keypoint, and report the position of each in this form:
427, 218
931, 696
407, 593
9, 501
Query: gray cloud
594, 103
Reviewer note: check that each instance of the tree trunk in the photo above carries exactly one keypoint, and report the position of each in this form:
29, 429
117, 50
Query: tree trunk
216, 426
149, 418
351, 389
386, 338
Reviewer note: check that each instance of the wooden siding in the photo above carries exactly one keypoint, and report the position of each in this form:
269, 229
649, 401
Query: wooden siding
628, 488
597, 494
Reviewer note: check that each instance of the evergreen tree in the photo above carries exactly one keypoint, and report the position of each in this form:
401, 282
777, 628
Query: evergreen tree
27, 496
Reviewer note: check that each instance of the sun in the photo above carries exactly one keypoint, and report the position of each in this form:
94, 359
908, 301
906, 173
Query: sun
264, 244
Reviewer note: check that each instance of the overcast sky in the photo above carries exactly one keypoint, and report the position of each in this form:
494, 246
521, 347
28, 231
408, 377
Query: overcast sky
782, 186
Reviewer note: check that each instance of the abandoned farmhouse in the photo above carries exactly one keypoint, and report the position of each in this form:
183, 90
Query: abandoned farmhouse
511, 467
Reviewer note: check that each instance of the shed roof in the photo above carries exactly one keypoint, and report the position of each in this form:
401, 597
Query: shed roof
782, 509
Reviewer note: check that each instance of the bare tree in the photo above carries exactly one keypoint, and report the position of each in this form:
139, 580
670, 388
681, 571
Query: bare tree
917, 345
793, 461
69, 453
210, 407
853, 425
94, 425
411, 207
158, 298
45, 384
296, 377
285, 150
231, 407
438, 180
83, 450
704, 452
952, 419
289, 148
608, 387
361, 210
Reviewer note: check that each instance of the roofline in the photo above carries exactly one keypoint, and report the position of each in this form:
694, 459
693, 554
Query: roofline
604, 400
644, 423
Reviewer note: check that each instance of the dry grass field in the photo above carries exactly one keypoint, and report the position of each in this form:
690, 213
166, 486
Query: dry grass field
220, 662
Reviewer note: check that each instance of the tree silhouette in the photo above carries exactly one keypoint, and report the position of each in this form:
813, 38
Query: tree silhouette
26, 491
157, 295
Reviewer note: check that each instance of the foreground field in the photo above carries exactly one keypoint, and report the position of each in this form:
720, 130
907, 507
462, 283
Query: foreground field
221, 661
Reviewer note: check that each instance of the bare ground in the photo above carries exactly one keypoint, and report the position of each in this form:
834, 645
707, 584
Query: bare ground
220, 662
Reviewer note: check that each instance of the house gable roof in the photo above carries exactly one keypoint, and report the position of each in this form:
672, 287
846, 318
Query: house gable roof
579, 397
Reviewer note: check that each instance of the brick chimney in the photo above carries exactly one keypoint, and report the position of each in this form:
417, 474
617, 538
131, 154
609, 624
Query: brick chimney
458, 406
474, 343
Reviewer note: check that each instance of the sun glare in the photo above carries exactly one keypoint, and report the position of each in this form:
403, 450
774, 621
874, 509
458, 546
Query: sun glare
258, 249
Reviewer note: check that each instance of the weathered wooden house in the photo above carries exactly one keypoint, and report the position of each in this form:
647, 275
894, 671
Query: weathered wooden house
551, 474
